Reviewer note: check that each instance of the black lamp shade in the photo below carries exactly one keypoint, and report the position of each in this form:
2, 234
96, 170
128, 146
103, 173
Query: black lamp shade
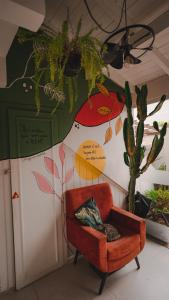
130, 59
113, 55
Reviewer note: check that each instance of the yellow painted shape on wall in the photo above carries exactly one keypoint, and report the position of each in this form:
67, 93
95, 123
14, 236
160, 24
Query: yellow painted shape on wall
90, 160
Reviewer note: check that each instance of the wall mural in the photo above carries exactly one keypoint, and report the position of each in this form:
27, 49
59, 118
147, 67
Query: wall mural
44, 184
99, 109
25, 134
18, 98
90, 160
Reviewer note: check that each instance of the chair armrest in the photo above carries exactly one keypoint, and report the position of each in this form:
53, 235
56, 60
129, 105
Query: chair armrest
90, 242
131, 221
93, 234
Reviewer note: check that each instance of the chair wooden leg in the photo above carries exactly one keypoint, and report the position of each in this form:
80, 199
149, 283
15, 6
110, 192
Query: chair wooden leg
105, 275
137, 263
76, 257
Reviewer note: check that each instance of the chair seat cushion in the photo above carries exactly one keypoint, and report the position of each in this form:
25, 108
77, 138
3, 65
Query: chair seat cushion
123, 247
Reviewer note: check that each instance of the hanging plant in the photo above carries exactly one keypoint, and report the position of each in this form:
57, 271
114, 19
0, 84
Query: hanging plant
59, 59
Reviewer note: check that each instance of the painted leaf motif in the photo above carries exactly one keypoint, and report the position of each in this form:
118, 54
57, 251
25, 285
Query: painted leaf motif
51, 166
104, 110
62, 153
108, 135
43, 184
69, 175
118, 125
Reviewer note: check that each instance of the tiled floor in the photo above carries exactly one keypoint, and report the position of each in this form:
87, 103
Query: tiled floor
79, 282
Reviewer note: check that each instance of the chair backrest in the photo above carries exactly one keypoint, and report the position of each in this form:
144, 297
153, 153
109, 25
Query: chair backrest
101, 194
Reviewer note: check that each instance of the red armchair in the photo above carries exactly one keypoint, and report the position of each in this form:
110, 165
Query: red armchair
105, 257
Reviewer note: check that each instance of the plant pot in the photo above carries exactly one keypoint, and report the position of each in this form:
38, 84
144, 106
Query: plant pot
142, 205
73, 65
166, 218
159, 231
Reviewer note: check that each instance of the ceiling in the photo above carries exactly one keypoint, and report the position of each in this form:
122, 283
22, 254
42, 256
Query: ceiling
154, 69
155, 64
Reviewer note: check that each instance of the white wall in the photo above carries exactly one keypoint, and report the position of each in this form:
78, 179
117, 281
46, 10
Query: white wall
6, 229
114, 149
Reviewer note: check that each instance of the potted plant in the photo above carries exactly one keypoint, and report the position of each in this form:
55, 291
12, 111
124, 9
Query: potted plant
135, 150
158, 217
58, 59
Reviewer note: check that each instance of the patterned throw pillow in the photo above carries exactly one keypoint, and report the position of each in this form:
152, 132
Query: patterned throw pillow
88, 214
110, 231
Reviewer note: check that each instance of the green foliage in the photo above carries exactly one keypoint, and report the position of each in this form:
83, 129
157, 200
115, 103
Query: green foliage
152, 194
51, 52
135, 151
162, 167
160, 199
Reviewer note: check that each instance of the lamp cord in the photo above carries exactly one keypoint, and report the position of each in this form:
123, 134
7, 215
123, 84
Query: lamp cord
125, 12
100, 27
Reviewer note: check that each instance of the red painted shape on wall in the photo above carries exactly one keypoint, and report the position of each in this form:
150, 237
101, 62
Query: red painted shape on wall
102, 109
15, 195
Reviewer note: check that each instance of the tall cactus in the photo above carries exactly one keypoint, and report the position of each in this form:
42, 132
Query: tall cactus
134, 154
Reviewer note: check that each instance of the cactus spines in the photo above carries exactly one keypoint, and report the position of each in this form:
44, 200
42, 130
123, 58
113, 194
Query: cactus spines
134, 154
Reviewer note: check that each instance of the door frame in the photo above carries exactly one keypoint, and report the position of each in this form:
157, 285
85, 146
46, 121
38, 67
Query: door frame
7, 272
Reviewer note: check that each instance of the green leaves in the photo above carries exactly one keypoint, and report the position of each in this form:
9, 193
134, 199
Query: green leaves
72, 92
37, 97
55, 53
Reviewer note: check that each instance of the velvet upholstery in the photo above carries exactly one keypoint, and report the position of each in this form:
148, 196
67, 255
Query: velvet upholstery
101, 194
106, 257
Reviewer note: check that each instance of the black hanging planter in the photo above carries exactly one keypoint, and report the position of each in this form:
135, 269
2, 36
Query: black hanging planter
73, 64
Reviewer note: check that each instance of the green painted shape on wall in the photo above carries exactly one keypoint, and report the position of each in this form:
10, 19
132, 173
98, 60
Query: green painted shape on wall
18, 112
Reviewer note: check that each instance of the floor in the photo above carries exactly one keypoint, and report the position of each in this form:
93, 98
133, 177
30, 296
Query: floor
79, 282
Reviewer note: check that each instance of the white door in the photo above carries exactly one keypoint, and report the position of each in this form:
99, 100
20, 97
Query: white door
37, 214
